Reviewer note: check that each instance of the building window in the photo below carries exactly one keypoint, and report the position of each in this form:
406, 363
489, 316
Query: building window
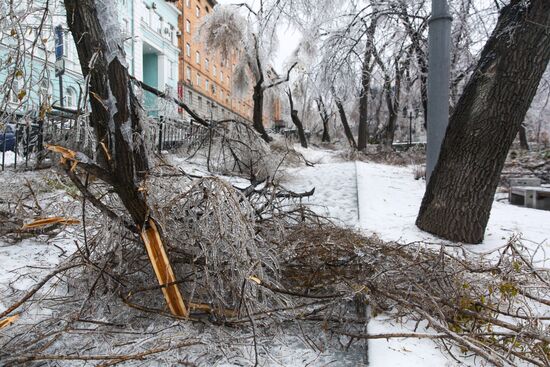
187, 26
198, 80
198, 12
221, 76
188, 73
188, 49
198, 57
206, 63
44, 92
70, 97
188, 3
207, 84
200, 102
172, 71
214, 70
172, 34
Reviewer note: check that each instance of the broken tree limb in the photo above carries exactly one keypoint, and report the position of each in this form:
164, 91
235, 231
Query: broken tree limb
163, 95
8, 321
163, 269
40, 223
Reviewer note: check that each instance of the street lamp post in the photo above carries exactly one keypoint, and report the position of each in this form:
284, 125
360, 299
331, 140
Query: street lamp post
439, 65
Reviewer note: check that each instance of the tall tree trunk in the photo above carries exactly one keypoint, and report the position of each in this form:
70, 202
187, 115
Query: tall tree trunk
363, 130
345, 124
523, 143
116, 122
296, 120
258, 112
419, 45
487, 118
324, 118
393, 93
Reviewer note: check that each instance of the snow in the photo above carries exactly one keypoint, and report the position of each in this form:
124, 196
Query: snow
389, 200
384, 200
375, 198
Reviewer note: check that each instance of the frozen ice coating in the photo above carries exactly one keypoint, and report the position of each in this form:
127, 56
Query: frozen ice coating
108, 13
283, 255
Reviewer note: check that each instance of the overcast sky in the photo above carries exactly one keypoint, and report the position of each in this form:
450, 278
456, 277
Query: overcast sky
288, 38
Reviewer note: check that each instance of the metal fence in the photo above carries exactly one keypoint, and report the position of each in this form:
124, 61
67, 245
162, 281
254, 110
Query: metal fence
22, 142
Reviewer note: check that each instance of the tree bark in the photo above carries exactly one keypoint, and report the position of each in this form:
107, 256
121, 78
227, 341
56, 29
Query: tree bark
117, 125
363, 130
324, 118
345, 123
523, 143
258, 112
392, 93
296, 120
487, 118
419, 45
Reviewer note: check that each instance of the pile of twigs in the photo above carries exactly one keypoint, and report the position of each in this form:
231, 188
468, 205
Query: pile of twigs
495, 306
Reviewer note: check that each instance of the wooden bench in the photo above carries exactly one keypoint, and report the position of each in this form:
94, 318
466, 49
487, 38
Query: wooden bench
528, 192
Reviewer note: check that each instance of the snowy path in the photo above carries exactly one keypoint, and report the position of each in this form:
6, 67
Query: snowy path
384, 200
336, 193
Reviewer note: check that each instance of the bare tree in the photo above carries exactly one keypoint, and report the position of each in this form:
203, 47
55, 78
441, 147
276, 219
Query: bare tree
115, 117
253, 37
296, 120
485, 122
324, 119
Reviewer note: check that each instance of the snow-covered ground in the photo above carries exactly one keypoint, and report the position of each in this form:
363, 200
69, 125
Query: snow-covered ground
389, 200
386, 200
376, 198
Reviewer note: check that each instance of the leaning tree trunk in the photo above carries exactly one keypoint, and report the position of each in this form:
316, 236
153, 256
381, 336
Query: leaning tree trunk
296, 120
324, 118
366, 75
487, 118
258, 112
344, 119
122, 161
523, 142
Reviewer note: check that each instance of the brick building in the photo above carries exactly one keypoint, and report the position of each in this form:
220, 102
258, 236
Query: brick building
205, 79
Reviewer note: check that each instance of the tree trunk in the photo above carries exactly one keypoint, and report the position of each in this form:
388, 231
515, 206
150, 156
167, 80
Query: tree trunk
324, 118
363, 131
344, 120
296, 120
487, 118
419, 45
393, 93
258, 112
523, 143
117, 125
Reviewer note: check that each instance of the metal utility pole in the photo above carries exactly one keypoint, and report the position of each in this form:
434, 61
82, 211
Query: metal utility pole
439, 66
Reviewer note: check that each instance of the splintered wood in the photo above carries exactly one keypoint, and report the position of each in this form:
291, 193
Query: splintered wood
163, 269
8, 321
44, 222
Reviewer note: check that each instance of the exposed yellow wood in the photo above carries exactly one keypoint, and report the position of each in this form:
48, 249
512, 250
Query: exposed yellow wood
8, 321
255, 279
208, 309
65, 153
39, 223
163, 269
105, 150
